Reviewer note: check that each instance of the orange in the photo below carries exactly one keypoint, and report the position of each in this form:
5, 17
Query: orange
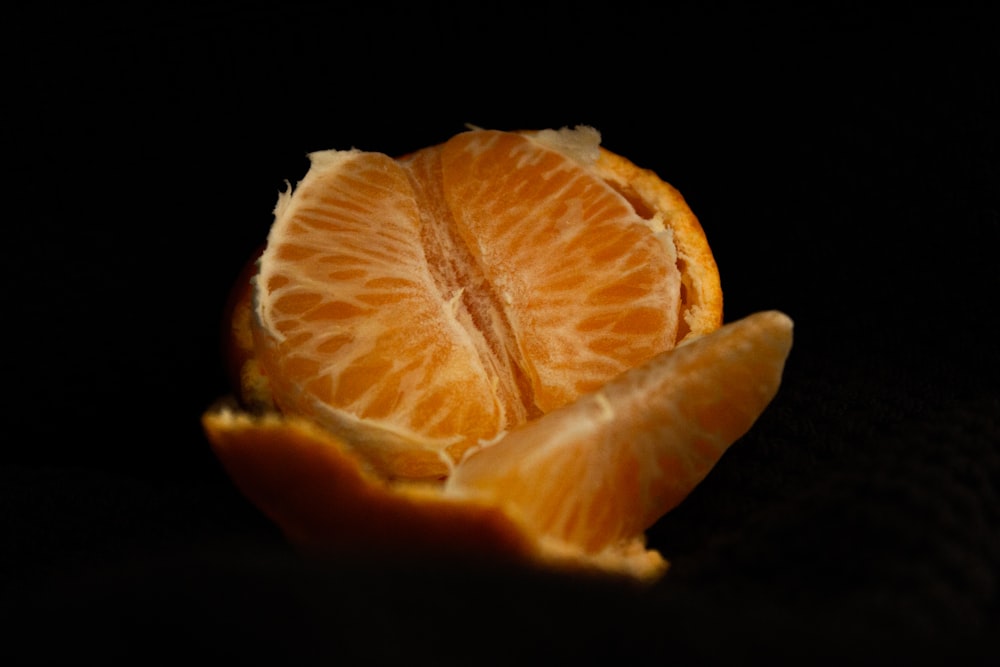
486, 332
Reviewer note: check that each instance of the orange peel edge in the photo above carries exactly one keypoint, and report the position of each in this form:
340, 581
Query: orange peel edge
306, 481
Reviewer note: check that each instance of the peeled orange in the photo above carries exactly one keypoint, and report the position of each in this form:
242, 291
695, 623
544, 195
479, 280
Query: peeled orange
508, 343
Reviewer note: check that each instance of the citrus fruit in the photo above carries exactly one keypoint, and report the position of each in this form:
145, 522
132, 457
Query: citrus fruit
510, 338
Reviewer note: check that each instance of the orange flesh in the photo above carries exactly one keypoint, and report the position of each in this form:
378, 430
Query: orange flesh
455, 294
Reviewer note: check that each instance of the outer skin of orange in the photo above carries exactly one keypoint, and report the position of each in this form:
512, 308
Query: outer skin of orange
298, 480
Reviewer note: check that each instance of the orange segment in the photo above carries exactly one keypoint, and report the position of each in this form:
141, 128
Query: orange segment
588, 286
353, 331
605, 468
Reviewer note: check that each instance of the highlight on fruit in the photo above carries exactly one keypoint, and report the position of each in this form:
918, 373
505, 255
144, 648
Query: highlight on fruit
507, 346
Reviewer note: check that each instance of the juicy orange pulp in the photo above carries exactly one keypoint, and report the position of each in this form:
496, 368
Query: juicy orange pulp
502, 280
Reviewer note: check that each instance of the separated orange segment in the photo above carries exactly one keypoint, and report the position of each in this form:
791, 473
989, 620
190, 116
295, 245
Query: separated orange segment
606, 467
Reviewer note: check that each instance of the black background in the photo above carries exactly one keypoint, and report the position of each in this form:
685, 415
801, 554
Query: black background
842, 161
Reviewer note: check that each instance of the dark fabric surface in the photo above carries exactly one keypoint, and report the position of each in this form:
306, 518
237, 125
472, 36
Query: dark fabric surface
843, 163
